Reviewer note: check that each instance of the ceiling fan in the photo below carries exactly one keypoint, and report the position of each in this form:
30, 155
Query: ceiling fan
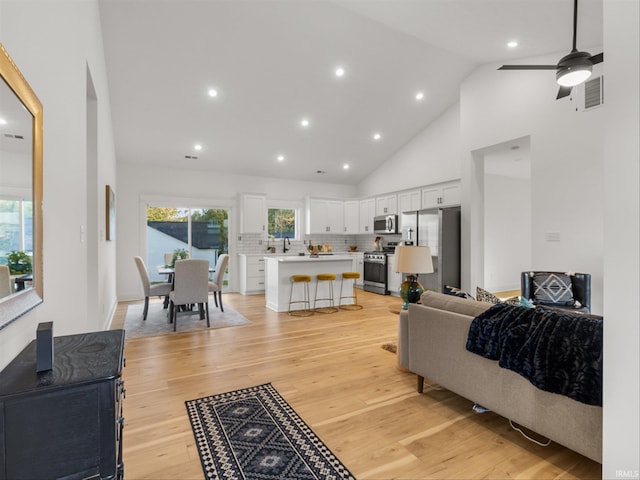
572, 69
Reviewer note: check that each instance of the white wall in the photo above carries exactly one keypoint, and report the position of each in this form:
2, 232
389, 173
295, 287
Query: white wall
53, 44
432, 156
139, 185
622, 241
507, 232
566, 169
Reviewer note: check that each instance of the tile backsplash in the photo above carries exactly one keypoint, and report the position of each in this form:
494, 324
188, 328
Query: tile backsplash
257, 242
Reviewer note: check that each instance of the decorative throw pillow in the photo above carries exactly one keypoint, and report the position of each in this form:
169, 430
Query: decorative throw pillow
483, 295
456, 292
552, 289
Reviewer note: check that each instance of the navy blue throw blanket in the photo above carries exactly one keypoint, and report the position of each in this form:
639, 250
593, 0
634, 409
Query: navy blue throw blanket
557, 352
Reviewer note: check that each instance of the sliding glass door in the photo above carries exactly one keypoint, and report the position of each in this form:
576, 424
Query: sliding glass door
183, 232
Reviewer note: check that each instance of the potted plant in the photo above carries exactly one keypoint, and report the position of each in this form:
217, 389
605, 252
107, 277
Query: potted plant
19, 262
178, 254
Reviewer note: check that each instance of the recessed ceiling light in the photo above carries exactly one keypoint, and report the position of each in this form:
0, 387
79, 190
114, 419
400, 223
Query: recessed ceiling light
377, 136
339, 72
3, 121
304, 122
345, 166
197, 147
213, 92
419, 96
512, 44
280, 158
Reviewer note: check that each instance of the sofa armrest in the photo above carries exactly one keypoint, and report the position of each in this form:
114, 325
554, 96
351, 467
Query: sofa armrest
403, 339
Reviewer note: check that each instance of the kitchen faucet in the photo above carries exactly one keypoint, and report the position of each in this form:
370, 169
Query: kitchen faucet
285, 241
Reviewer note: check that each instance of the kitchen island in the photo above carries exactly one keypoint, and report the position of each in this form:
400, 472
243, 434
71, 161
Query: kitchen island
279, 270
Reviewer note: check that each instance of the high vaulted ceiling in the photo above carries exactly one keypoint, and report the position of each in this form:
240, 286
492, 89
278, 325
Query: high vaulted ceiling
273, 62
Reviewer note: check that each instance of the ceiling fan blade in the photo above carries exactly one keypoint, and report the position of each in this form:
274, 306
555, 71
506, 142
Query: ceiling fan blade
599, 58
563, 92
528, 67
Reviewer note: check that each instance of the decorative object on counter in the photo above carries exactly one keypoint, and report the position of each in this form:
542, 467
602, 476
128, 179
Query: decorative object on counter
44, 347
270, 248
353, 248
377, 244
412, 260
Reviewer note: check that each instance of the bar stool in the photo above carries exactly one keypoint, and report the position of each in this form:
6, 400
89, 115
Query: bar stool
325, 277
354, 294
304, 281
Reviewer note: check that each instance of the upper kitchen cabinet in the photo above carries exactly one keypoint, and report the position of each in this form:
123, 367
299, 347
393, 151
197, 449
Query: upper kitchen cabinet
351, 216
387, 205
324, 216
409, 201
367, 212
253, 213
441, 195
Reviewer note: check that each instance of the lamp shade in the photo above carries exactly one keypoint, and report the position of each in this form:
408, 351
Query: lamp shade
413, 259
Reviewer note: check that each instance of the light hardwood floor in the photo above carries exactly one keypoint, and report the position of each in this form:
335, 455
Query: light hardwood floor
334, 373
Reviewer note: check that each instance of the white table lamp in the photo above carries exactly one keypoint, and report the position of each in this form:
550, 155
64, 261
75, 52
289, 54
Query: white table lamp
412, 261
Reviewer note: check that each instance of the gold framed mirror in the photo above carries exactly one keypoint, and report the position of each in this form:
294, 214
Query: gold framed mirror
20, 194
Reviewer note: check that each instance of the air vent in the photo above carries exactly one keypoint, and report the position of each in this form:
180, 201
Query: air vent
593, 93
191, 157
16, 136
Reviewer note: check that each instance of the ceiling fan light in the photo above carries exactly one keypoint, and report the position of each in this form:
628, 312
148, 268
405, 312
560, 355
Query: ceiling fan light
572, 76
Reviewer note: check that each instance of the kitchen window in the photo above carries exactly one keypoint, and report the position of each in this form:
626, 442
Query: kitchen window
282, 222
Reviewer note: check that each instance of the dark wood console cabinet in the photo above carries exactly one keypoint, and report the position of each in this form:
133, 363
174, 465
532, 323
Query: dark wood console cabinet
67, 422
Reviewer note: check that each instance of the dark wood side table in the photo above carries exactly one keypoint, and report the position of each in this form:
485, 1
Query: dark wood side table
67, 422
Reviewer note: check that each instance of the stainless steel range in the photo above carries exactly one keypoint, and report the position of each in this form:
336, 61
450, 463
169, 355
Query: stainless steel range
375, 272
375, 269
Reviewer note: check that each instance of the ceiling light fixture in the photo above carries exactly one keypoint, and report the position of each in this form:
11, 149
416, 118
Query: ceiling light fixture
197, 147
345, 166
280, 158
512, 44
213, 92
339, 72
419, 96
377, 136
3, 121
304, 122
573, 69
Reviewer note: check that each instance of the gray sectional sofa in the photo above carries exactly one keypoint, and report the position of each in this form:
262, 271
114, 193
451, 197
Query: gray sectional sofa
432, 339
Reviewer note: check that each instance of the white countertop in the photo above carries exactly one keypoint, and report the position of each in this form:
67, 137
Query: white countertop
307, 258
306, 255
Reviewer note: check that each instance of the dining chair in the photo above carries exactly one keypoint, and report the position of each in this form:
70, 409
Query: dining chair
5, 282
190, 286
218, 279
159, 289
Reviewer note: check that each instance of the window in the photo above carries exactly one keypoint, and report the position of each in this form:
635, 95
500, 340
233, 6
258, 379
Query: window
16, 227
282, 222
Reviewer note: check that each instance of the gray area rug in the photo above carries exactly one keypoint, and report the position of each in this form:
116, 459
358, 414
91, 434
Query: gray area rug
157, 320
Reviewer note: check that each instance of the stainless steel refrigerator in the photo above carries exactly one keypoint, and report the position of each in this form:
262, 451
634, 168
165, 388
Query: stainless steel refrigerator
439, 229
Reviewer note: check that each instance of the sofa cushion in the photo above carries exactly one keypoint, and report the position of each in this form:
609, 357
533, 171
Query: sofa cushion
483, 295
454, 304
552, 288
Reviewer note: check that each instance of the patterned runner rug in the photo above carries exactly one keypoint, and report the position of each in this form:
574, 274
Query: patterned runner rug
255, 434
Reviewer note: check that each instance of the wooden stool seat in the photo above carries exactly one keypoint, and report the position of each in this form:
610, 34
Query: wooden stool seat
306, 310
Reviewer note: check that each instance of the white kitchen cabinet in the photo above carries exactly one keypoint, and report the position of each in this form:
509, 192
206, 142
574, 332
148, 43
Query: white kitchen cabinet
253, 213
367, 212
409, 201
394, 279
441, 195
359, 261
351, 216
325, 216
387, 204
252, 276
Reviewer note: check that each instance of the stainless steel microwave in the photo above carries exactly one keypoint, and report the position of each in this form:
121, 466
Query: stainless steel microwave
385, 224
